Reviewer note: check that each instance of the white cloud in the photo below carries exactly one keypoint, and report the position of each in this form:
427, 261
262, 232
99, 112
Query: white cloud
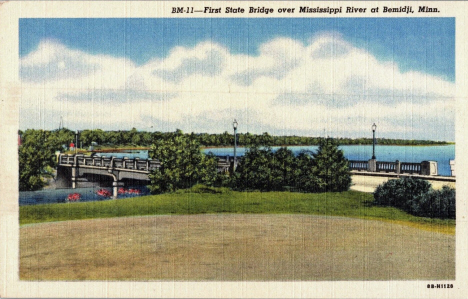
289, 87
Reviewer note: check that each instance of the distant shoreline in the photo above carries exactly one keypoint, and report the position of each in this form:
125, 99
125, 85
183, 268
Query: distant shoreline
113, 149
297, 145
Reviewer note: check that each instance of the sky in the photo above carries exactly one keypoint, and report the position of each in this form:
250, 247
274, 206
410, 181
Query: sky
301, 76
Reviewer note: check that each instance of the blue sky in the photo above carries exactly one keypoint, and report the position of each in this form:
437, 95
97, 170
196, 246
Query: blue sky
301, 76
423, 44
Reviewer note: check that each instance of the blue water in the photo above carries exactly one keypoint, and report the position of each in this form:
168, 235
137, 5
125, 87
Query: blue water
142, 154
59, 195
441, 154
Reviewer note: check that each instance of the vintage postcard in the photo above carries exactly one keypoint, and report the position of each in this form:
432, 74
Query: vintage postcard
233, 149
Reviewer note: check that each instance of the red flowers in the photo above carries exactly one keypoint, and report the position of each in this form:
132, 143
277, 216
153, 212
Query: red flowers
134, 191
128, 191
73, 197
104, 193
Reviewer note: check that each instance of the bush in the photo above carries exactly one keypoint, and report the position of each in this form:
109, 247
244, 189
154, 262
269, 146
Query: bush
417, 197
436, 204
401, 193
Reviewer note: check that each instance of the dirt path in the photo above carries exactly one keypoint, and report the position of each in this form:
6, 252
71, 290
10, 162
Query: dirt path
233, 247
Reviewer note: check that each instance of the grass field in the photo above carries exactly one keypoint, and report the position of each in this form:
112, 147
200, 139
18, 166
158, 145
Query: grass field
349, 204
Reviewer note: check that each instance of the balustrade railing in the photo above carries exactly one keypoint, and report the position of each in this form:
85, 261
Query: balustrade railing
410, 167
110, 162
386, 166
358, 165
423, 168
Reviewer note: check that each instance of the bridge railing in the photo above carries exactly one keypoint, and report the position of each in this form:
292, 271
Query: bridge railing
410, 167
387, 166
358, 165
422, 168
67, 159
109, 162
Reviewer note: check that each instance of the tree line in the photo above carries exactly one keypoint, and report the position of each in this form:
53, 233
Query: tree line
134, 137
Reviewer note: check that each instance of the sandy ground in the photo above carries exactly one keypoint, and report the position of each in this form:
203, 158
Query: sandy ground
369, 183
233, 247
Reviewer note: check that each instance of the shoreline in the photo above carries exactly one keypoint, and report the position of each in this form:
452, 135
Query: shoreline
297, 145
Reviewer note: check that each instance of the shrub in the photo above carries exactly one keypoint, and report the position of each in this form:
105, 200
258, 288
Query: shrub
437, 204
401, 193
417, 197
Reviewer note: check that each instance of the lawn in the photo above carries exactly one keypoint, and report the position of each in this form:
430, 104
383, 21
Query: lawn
349, 204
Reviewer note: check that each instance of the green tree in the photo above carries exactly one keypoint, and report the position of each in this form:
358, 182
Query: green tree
88, 136
58, 138
284, 169
305, 177
36, 156
330, 172
183, 165
255, 170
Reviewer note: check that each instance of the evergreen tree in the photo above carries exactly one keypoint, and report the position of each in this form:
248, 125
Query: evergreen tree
330, 172
284, 169
254, 170
305, 176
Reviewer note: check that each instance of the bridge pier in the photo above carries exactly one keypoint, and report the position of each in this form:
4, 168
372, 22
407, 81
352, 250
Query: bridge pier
74, 176
115, 188
63, 177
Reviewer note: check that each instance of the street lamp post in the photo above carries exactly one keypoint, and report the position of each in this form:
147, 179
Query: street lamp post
374, 127
76, 141
234, 125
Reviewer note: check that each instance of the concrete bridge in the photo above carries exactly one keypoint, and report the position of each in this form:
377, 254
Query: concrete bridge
71, 168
